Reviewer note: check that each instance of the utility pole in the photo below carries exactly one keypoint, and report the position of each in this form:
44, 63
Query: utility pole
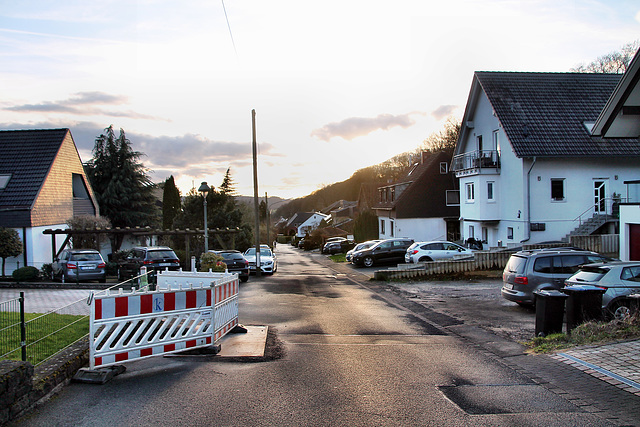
255, 192
266, 214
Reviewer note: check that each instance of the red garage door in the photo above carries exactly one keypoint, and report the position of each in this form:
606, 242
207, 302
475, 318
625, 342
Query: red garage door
634, 242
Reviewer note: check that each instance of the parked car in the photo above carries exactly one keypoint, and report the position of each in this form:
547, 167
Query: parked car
431, 251
386, 251
332, 248
155, 258
236, 263
268, 260
359, 247
80, 265
529, 271
619, 279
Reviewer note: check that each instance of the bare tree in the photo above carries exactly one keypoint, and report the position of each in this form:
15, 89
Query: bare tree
613, 62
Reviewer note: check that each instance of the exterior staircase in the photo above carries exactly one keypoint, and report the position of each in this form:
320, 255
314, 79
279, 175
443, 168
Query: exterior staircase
590, 225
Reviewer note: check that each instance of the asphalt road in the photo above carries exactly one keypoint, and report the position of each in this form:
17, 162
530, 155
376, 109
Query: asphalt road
352, 356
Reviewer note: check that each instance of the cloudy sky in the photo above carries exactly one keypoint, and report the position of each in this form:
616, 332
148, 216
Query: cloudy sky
336, 85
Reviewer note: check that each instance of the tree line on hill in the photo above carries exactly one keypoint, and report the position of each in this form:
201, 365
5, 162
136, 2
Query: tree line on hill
377, 175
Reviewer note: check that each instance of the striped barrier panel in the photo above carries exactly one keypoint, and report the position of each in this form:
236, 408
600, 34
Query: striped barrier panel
226, 305
136, 325
177, 279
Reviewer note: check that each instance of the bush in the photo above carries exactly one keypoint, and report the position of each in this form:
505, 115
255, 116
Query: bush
26, 274
112, 268
46, 271
213, 262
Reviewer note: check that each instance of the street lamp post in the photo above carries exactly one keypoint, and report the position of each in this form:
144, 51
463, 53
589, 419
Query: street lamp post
204, 189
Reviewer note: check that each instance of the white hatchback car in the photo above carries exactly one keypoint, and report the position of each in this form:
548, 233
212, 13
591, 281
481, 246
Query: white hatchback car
268, 260
431, 251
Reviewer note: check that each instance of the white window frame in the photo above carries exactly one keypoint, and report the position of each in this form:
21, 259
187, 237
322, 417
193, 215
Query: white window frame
470, 192
382, 226
509, 233
491, 195
564, 189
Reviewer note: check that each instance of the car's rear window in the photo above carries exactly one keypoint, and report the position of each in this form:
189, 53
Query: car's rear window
160, 254
85, 257
231, 255
516, 264
589, 274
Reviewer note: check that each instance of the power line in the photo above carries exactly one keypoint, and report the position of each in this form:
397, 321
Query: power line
229, 26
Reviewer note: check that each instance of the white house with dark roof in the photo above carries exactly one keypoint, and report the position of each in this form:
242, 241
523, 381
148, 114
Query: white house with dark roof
423, 204
529, 168
42, 185
303, 223
621, 118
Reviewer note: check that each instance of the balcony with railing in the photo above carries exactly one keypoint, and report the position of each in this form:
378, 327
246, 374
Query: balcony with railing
476, 162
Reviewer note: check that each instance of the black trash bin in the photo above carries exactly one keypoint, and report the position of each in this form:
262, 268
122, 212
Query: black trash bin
549, 311
584, 304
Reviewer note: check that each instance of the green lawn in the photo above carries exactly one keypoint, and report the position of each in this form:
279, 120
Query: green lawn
45, 335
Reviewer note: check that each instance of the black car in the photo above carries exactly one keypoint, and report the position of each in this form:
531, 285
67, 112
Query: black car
155, 258
236, 263
386, 251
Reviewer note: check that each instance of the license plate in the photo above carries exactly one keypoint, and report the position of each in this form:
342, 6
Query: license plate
87, 267
165, 264
508, 286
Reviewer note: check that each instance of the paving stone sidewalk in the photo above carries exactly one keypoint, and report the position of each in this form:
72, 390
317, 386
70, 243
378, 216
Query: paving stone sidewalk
618, 364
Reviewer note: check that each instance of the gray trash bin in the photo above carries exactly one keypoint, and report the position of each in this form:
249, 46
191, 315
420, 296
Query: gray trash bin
549, 311
584, 304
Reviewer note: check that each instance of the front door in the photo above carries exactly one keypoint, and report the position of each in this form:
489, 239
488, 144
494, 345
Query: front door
600, 195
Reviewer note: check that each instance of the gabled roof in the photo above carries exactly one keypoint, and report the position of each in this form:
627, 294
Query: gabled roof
299, 218
26, 155
621, 115
549, 114
425, 194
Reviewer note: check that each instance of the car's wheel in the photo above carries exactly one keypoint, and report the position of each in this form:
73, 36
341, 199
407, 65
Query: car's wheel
619, 310
368, 261
425, 259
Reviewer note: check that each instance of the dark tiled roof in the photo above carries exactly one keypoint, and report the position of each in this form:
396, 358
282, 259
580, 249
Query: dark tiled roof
543, 114
425, 196
27, 155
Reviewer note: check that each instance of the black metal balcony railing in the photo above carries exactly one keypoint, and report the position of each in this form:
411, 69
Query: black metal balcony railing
476, 160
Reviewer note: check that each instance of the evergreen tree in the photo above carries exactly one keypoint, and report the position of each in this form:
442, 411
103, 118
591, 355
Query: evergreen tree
10, 244
228, 186
365, 227
171, 203
120, 182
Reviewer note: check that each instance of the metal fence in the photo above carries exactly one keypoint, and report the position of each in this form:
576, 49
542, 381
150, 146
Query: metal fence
36, 337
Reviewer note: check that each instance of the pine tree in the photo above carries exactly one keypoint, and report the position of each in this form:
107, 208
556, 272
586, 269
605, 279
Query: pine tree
120, 182
171, 203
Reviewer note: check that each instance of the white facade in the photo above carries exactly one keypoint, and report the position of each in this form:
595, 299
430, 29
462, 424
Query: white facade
418, 229
531, 199
38, 248
311, 224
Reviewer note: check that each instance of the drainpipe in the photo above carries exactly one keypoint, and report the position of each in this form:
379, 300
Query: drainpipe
529, 201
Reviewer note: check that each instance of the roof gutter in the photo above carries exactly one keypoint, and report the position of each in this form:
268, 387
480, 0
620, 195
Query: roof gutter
529, 201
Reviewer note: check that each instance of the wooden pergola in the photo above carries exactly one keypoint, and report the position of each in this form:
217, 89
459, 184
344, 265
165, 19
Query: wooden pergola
140, 231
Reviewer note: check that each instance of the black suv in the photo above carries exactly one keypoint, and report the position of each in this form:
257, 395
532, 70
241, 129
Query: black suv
386, 251
156, 258
540, 269
236, 263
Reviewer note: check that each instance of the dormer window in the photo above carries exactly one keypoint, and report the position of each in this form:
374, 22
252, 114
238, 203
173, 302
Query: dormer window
4, 180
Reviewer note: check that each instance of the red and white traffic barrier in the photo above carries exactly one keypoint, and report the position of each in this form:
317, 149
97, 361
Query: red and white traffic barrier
135, 325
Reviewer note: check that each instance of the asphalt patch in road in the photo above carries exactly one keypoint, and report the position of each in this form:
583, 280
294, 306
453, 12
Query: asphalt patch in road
506, 399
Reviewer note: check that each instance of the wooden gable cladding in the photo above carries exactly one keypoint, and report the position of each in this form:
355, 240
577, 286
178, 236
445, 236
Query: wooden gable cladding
55, 202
